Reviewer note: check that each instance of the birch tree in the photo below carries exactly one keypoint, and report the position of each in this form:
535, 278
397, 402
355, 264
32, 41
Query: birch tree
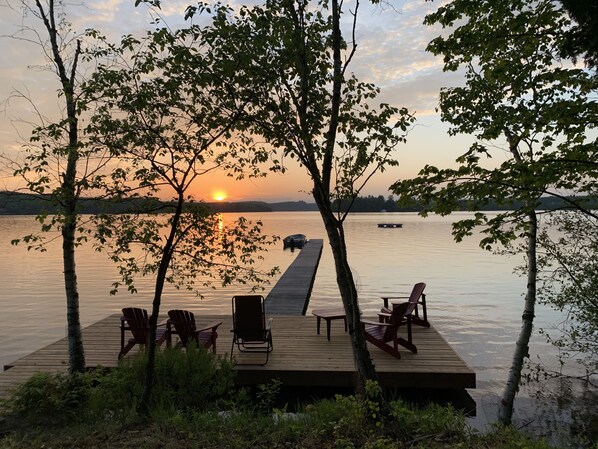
525, 106
53, 155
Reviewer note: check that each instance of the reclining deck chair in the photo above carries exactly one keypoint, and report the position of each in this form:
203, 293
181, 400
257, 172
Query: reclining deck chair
415, 299
382, 333
251, 333
183, 322
136, 320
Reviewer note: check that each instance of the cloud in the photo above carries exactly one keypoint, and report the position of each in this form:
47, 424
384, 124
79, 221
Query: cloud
391, 53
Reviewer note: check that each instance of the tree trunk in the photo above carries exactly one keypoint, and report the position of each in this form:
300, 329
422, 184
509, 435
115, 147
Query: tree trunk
334, 228
167, 253
505, 412
67, 193
69, 228
346, 284
74, 337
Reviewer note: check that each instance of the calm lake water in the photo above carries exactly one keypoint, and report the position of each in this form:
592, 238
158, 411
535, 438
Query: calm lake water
474, 299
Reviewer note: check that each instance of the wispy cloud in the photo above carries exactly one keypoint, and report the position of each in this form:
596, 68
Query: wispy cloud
391, 53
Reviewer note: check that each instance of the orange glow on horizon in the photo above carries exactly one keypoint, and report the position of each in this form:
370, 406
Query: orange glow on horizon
219, 195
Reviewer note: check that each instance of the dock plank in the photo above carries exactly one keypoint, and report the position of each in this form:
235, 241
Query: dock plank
300, 357
290, 295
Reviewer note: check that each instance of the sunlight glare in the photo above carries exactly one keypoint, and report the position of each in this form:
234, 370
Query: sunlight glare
219, 195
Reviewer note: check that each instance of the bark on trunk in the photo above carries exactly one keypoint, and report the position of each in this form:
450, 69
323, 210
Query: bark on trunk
167, 254
69, 229
74, 337
346, 284
505, 412
68, 195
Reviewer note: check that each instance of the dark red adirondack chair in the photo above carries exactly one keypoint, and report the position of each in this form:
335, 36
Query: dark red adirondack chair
251, 333
384, 335
415, 299
184, 325
136, 320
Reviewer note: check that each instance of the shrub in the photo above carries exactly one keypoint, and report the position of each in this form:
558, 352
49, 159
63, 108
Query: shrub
51, 399
193, 379
433, 422
189, 379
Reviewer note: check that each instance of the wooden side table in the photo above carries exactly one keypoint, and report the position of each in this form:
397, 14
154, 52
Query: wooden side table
329, 315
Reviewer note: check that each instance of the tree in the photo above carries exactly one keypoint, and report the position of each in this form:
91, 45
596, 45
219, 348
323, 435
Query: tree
304, 102
517, 90
51, 164
569, 283
583, 37
166, 111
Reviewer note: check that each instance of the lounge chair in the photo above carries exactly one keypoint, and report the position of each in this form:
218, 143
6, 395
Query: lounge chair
136, 320
382, 333
415, 299
183, 322
251, 333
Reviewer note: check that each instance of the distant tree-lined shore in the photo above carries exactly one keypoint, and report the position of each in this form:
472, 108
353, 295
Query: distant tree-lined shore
16, 203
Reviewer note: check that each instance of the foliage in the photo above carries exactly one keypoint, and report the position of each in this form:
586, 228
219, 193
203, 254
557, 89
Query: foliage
337, 423
50, 399
583, 37
51, 160
288, 79
304, 103
570, 285
185, 380
516, 89
207, 248
442, 423
193, 379
166, 110
368, 204
267, 394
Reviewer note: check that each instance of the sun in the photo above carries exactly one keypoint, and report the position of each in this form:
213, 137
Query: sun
219, 195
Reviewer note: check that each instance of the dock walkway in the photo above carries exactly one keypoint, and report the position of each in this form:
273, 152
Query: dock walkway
290, 295
300, 357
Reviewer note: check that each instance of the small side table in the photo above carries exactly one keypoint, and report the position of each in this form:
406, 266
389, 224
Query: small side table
329, 315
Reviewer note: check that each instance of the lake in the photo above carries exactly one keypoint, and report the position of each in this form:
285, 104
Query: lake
474, 299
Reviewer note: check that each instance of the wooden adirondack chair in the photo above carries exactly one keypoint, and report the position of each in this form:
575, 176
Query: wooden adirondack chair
251, 333
415, 299
183, 322
384, 335
136, 320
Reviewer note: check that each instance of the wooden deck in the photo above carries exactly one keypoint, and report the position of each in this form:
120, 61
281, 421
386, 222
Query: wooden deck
300, 357
290, 295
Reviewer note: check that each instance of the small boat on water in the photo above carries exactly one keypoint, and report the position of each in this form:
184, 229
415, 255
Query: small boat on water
294, 241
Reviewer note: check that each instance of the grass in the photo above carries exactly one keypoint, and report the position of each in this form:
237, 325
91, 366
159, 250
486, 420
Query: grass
196, 405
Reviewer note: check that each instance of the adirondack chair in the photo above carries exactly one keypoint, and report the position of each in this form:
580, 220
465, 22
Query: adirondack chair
384, 335
251, 333
136, 320
184, 326
415, 299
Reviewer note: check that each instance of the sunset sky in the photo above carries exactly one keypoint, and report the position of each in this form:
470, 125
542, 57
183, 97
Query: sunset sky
391, 53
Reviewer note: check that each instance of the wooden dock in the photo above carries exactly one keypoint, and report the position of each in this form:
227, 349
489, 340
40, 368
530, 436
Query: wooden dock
300, 357
290, 295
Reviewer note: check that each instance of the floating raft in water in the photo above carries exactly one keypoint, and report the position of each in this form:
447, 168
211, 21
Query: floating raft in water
390, 225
